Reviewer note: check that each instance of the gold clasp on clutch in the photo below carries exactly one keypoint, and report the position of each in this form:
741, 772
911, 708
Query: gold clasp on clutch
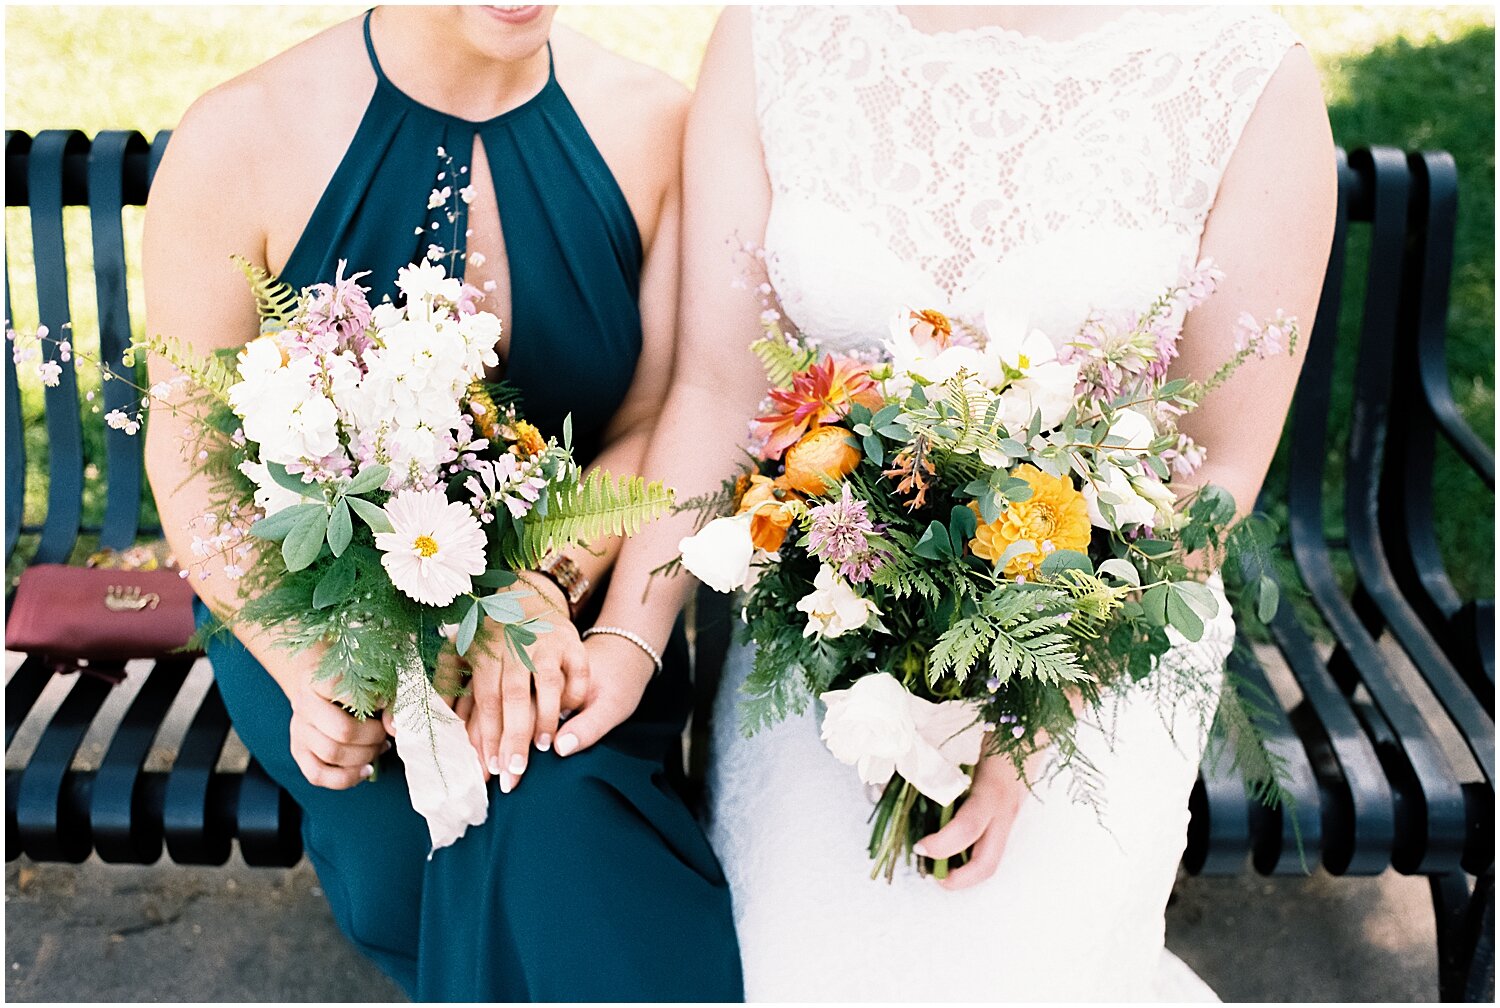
129, 598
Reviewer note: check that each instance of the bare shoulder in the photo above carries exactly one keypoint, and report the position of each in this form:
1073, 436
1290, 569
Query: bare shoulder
640, 95
289, 97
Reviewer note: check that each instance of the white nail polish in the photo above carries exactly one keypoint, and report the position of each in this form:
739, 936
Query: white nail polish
544, 743
517, 765
919, 850
494, 766
366, 771
566, 744
506, 783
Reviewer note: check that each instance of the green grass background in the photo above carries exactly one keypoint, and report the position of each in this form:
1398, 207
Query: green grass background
1411, 77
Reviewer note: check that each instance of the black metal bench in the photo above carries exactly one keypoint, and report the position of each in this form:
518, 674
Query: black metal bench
1388, 767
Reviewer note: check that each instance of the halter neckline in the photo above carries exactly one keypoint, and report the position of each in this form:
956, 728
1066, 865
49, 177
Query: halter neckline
387, 83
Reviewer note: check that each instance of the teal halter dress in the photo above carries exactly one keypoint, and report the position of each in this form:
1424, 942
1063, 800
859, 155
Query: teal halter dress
591, 880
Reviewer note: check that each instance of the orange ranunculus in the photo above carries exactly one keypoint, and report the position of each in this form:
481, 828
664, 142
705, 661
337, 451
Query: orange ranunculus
772, 507
822, 455
1054, 517
821, 394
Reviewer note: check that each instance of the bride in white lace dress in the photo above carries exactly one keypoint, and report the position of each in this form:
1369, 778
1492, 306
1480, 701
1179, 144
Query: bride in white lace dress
1069, 160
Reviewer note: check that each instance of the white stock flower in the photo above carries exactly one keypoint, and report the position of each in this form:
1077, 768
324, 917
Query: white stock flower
434, 548
720, 553
879, 728
833, 608
426, 280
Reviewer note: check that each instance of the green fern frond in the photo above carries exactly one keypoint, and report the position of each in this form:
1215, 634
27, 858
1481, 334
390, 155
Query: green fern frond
211, 373
597, 507
781, 358
1022, 632
275, 299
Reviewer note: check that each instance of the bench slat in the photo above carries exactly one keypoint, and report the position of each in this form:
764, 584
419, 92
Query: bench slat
125, 827
50, 824
193, 823
107, 167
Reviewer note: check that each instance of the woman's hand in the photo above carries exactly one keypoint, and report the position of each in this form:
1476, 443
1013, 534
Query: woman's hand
514, 709
982, 822
333, 748
621, 673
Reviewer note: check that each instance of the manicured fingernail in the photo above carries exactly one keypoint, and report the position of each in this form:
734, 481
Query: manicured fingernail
495, 766
566, 744
366, 771
388, 744
517, 765
506, 783
920, 850
544, 743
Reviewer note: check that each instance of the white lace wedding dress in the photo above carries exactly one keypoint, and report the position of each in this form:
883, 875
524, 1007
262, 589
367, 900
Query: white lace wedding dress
933, 170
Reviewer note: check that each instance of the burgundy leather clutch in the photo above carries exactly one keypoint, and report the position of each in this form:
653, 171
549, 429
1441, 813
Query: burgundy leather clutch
100, 614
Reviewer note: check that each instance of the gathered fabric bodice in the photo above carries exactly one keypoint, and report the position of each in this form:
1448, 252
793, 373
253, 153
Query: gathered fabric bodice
948, 169
573, 248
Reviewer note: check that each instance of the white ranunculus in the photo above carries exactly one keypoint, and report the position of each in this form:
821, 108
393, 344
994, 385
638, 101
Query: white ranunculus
869, 725
271, 496
879, 728
1112, 486
834, 608
719, 554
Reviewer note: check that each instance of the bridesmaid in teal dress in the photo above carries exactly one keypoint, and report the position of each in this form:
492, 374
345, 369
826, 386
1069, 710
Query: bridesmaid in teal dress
590, 880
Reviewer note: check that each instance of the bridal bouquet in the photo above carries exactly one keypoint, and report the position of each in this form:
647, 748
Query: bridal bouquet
375, 495
951, 543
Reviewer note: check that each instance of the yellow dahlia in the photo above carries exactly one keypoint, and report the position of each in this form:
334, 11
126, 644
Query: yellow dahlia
1054, 517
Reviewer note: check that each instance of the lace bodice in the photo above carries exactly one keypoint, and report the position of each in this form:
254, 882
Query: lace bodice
949, 168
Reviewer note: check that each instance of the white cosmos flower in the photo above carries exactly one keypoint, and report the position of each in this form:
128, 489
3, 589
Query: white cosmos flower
834, 608
424, 280
434, 548
720, 553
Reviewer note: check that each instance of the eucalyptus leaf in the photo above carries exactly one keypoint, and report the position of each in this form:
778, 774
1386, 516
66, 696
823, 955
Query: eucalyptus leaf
874, 449
1122, 570
503, 607
371, 477
305, 541
1064, 559
467, 628
962, 524
371, 514
287, 481
1181, 617
1014, 550
1200, 597
1154, 603
500, 578
934, 543
340, 529
275, 527
1268, 599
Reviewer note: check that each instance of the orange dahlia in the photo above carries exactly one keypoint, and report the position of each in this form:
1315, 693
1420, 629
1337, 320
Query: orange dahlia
822, 394
1054, 517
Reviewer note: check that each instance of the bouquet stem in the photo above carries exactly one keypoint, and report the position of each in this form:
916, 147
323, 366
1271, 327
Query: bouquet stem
903, 816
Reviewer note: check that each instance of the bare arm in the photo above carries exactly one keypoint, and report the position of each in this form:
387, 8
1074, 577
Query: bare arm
205, 206
717, 382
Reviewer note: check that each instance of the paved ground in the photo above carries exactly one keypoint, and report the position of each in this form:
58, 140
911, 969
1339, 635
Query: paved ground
97, 932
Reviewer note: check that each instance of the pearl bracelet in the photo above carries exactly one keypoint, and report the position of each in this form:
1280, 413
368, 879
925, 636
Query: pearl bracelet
632, 637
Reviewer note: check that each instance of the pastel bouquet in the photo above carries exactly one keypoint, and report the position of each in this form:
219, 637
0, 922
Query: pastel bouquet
374, 497
956, 543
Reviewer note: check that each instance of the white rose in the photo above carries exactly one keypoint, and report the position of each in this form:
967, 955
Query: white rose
1111, 486
834, 608
719, 554
879, 728
869, 725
